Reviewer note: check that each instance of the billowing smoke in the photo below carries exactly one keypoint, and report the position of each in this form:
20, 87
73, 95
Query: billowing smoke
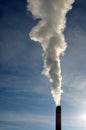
49, 33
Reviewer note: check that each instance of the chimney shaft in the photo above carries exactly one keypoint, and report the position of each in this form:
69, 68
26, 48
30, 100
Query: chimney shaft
58, 118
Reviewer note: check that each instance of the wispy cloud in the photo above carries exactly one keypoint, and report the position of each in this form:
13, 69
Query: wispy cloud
74, 89
74, 119
26, 118
24, 84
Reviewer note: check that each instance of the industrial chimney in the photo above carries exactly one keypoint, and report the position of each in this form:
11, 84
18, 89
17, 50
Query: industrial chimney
58, 118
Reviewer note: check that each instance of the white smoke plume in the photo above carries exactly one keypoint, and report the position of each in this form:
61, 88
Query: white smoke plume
49, 33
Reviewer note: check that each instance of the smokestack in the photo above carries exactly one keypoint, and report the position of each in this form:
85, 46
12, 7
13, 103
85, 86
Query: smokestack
58, 118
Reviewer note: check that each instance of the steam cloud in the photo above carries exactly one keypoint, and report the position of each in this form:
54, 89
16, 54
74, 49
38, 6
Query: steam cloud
49, 33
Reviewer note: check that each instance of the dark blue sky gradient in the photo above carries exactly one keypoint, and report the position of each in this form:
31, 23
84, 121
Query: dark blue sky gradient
25, 98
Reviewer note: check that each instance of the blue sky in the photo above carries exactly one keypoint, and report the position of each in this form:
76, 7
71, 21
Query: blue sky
25, 98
